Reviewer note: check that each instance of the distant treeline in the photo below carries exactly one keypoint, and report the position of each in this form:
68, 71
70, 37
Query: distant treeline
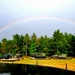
57, 44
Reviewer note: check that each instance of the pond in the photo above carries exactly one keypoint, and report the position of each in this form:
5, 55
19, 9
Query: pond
20, 69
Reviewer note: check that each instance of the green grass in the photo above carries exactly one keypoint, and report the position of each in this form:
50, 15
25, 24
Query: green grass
58, 63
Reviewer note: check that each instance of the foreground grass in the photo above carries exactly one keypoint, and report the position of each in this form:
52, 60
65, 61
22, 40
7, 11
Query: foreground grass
58, 63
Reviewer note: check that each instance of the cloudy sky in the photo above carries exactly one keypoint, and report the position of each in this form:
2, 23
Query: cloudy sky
42, 17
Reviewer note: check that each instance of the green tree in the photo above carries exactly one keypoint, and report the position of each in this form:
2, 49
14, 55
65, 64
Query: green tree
45, 44
34, 44
57, 36
68, 47
26, 44
0, 48
9, 46
72, 43
58, 44
4, 46
16, 43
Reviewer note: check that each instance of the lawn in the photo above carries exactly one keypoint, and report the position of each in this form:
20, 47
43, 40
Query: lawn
68, 64
58, 63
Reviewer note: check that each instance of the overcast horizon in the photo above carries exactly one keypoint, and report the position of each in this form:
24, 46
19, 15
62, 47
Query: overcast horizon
41, 17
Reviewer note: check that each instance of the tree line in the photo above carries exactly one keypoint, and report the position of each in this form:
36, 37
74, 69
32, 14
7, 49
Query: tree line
24, 44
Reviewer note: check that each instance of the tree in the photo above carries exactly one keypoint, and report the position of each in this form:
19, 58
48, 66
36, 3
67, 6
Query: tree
44, 44
0, 48
16, 43
21, 45
57, 37
4, 40
72, 43
58, 44
26, 42
9, 45
4, 46
34, 44
68, 45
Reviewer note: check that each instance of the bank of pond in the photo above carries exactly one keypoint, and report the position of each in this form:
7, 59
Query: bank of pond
33, 55
23, 69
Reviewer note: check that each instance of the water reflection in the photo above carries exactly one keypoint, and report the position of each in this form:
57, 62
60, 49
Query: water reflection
5, 74
13, 69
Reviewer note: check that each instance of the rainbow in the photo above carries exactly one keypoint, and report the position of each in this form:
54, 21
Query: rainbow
36, 18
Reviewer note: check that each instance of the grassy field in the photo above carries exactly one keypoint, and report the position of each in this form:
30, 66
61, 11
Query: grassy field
58, 63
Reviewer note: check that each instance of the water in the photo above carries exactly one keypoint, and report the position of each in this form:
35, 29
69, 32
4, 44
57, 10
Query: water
19, 69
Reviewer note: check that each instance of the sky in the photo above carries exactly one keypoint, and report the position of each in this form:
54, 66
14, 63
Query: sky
42, 17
